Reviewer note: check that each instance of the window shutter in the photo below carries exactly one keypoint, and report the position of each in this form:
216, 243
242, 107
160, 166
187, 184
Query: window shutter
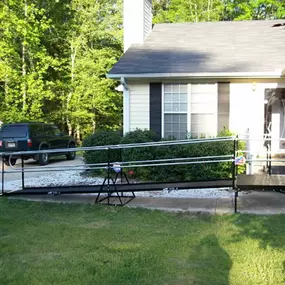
155, 94
223, 106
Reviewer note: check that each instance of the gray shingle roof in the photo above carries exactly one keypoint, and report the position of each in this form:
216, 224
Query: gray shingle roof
240, 46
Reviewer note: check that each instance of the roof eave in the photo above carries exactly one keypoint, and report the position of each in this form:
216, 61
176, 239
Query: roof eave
206, 75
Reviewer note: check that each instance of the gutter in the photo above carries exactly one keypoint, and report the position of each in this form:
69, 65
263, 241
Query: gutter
126, 105
244, 75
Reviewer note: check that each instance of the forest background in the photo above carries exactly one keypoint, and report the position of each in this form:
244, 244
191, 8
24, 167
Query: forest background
54, 55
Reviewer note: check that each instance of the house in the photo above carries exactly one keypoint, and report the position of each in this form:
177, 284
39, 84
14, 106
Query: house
197, 78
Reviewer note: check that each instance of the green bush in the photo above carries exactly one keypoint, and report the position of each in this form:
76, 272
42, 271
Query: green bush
138, 154
101, 138
190, 172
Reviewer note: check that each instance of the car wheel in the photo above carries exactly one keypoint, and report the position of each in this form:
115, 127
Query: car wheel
12, 161
43, 158
71, 155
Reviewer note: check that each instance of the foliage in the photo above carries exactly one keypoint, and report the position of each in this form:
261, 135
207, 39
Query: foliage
102, 138
95, 43
54, 55
53, 59
141, 153
198, 171
177, 11
73, 244
254, 9
178, 172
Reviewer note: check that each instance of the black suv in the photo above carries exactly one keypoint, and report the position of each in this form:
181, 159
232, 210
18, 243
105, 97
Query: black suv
34, 136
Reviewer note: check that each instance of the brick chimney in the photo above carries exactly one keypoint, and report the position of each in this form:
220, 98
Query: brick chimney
137, 21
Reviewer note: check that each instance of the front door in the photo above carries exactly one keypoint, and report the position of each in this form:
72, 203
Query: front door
274, 117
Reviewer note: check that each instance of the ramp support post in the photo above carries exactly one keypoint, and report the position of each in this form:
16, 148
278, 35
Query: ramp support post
23, 173
2, 188
234, 172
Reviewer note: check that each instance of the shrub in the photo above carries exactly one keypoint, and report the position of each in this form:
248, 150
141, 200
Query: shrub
101, 138
137, 154
190, 172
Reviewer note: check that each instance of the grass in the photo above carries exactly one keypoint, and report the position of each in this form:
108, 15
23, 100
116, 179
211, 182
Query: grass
43, 243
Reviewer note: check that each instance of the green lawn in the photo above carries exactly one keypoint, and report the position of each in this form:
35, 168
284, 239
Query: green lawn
42, 243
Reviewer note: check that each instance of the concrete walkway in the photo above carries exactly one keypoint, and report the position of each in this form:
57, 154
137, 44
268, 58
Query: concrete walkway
265, 203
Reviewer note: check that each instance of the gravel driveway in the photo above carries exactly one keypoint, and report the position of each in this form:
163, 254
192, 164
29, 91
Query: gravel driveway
59, 161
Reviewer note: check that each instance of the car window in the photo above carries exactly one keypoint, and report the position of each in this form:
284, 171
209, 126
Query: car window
56, 131
36, 130
13, 131
48, 131
51, 131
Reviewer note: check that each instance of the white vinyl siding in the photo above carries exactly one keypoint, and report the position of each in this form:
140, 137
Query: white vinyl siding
204, 107
147, 17
139, 106
137, 21
247, 112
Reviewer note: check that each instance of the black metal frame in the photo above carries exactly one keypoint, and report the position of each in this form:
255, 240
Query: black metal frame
110, 192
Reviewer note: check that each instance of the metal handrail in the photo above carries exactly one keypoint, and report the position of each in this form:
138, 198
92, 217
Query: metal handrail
125, 166
130, 164
120, 146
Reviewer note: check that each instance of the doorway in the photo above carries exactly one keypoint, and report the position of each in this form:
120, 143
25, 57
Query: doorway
274, 117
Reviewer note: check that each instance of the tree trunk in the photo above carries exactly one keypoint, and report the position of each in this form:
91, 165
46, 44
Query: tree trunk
94, 124
24, 66
69, 96
208, 9
78, 132
196, 13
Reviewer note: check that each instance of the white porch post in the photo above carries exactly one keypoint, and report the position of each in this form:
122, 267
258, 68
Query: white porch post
249, 169
126, 113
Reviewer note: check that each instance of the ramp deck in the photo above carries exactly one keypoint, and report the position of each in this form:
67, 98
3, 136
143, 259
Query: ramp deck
261, 182
136, 187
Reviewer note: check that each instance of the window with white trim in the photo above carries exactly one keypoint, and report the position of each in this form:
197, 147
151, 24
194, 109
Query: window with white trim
175, 100
204, 107
197, 119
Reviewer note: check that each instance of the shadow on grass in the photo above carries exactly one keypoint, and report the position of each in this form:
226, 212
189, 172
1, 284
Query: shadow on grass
211, 264
268, 231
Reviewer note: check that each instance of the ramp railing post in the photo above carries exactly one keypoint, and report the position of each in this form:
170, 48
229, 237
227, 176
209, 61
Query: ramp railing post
108, 174
270, 160
23, 173
2, 188
234, 173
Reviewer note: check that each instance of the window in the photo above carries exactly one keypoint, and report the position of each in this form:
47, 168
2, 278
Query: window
203, 110
197, 120
17, 131
175, 108
56, 131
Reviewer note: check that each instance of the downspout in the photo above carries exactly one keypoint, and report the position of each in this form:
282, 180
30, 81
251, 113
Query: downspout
126, 106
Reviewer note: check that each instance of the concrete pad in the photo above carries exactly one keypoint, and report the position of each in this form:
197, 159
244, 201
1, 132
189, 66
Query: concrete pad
79, 199
175, 204
225, 206
166, 204
263, 203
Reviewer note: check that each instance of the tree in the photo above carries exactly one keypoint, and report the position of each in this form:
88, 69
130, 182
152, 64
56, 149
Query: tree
54, 56
176, 11
254, 9
24, 60
95, 45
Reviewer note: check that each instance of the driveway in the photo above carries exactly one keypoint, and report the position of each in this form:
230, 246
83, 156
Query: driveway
59, 162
